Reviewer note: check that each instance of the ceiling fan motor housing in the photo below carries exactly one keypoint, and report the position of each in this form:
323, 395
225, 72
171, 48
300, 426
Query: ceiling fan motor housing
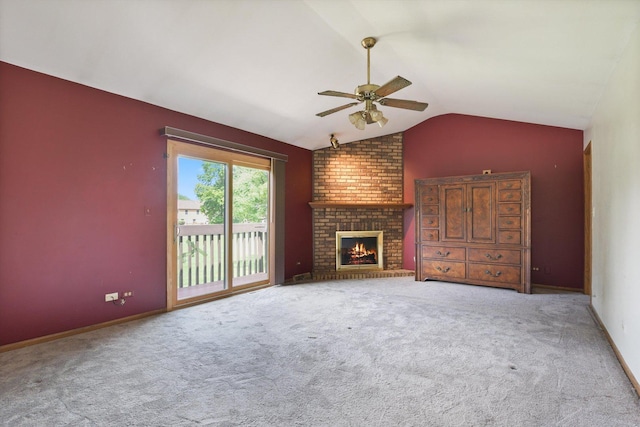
367, 92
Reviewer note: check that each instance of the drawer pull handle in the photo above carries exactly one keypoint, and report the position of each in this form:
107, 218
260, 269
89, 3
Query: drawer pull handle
498, 273
443, 254
509, 222
497, 257
510, 209
444, 270
509, 196
509, 237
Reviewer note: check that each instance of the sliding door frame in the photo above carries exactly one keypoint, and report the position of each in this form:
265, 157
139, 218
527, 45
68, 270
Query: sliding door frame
176, 148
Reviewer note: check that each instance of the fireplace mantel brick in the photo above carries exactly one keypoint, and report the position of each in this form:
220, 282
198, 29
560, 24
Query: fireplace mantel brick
363, 172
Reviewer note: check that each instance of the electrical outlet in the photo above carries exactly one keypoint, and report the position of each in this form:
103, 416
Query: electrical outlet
111, 297
127, 294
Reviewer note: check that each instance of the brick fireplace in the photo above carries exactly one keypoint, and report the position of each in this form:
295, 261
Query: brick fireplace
358, 187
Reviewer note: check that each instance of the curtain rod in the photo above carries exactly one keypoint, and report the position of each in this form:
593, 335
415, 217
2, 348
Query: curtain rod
220, 143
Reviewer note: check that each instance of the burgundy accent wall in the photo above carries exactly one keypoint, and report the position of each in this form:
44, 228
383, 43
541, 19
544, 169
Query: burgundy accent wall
78, 166
455, 144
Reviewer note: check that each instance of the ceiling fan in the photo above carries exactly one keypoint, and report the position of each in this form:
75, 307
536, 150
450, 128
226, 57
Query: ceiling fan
370, 93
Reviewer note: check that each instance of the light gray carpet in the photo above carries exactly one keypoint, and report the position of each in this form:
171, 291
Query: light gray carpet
380, 352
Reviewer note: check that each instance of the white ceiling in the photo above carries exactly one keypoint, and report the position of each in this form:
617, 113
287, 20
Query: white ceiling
257, 65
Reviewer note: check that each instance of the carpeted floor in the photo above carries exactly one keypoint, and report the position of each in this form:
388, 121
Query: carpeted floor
378, 352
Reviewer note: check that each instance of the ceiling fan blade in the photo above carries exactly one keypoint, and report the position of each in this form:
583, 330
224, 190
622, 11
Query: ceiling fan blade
391, 86
334, 110
336, 93
403, 103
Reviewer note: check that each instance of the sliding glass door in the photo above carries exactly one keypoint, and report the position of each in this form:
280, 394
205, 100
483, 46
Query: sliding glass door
250, 207
218, 225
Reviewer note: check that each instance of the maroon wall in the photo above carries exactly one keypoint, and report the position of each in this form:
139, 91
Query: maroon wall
77, 168
456, 144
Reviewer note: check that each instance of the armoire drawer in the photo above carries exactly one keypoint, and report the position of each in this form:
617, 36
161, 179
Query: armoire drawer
430, 198
430, 221
509, 237
430, 209
429, 194
443, 269
509, 196
498, 256
430, 234
509, 185
495, 273
509, 222
444, 253
509, 209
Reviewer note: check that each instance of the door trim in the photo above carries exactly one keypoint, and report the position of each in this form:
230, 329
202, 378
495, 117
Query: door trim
587, 176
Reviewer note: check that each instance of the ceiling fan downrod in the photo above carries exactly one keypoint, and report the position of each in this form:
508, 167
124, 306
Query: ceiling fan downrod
368, 43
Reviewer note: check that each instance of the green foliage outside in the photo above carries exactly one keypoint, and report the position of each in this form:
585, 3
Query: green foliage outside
210, 191
250, 193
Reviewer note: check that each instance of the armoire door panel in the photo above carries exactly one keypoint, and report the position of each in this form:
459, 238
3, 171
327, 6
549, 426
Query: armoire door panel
481, 213
453, 213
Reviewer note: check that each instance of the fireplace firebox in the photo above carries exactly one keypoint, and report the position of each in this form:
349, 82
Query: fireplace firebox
359, 250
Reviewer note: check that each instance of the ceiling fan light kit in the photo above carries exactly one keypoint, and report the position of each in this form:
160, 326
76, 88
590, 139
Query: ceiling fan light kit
370, 93
357, 119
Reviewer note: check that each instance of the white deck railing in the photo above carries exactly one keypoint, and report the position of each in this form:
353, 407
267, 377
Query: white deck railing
201, 252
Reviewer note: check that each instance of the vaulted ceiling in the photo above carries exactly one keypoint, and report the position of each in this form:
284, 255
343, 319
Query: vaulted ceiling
258, 65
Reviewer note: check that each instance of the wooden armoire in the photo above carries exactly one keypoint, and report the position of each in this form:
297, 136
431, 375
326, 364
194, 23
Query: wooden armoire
475, 229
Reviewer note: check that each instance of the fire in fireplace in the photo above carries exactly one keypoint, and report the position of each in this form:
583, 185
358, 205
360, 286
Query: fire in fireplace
359, 250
